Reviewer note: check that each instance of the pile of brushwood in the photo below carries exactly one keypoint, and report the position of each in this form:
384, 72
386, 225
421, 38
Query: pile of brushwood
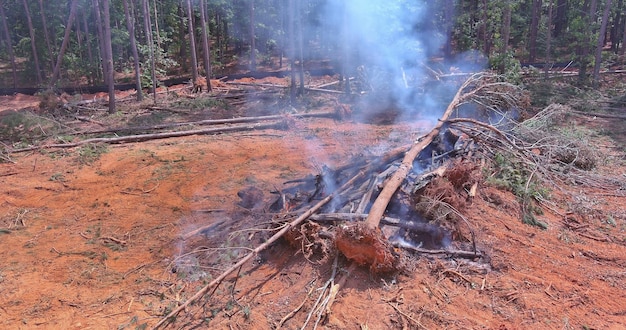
376, 211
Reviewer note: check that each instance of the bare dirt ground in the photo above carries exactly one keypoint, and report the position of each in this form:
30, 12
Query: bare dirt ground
99, 243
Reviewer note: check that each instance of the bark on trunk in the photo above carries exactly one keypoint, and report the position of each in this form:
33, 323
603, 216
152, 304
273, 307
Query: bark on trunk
534, 29
600, 44
109, 53
252, 39
148, 31
46, 35
130, 24
33, 44
9, 44
66, 39
206, 49
192, 43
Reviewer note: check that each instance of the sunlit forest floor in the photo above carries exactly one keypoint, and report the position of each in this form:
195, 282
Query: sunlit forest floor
96, 236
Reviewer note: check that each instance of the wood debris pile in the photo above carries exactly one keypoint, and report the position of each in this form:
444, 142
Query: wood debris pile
411, 198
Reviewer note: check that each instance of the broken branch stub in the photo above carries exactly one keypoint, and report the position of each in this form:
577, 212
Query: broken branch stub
380, 204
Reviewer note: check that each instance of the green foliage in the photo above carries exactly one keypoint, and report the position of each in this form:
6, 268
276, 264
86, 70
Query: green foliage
89, 153
507, 65
201, 103
25, 128
162, 62
514, 176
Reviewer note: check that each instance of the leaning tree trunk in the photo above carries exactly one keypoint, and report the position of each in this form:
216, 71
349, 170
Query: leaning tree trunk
600, 44
9, 44
206, 48
96, 6
382, 201
109, 51
46, 35
33, 44
192, 43
66, 39
130, 24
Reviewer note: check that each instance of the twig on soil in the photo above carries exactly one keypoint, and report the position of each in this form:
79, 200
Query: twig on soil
296, 310
20, 218
450, 271
452, 253
416, 322
258, 249
327, 287
335, 289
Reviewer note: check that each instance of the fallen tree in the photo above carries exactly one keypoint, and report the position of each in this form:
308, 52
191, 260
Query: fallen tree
354, 198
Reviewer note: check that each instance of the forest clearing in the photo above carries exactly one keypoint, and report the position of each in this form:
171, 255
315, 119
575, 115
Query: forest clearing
315, 164
119, 235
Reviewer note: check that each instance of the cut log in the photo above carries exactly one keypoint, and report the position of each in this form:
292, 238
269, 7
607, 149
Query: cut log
210, 122
155, 136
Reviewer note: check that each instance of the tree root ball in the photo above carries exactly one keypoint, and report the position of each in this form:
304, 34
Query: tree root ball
367, 246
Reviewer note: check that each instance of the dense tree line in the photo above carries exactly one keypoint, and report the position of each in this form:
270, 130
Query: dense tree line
69, 42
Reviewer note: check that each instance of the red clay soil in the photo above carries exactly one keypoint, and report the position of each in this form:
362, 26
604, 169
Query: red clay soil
96, 245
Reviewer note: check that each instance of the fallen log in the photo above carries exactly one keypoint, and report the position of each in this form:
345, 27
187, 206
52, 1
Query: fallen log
155, 136
211, 122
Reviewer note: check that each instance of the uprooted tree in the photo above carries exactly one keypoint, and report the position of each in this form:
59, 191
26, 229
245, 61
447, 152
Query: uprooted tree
369, 206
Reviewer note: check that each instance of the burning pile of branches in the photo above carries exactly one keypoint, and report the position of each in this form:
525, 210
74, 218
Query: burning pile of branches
376, 206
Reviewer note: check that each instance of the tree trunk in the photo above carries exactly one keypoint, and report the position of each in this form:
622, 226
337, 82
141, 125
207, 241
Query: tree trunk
448, 13
182, 51
483, 27
192, 43
103, 63
615, 28
206, 48
252, 39
560, 21
506, 32
292, 50
345, 73
300, 46
623, 48
45, 32
9, 44
600, 44
148, 31
130, 24
66, 39
548, 40
157, 31
33, 44
89, 52
109, 52
589, 15
534, 29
